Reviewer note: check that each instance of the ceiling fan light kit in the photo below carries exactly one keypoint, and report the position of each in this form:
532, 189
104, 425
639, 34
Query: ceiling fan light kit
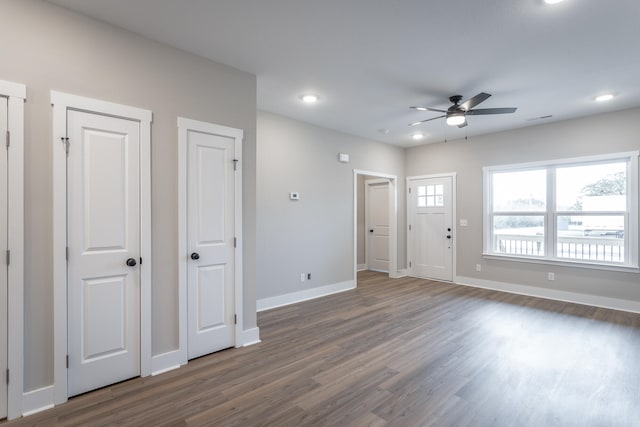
456, 119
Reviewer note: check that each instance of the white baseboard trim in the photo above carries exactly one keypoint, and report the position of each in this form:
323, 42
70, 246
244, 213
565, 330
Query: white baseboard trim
37, 400
166, 362
361, 267
307, 294
250, 337
553, 294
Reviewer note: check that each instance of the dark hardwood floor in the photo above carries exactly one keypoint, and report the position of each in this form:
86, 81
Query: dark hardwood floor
402, 352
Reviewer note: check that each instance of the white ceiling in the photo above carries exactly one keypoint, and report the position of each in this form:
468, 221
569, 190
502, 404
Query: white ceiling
369, 60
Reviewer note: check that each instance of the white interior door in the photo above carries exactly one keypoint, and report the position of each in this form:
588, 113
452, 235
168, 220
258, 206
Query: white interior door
377, 222
430, 237
103, 181
3, 265
210, 242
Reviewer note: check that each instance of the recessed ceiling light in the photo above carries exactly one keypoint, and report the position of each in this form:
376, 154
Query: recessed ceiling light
553, 1
604, 97
417, 136
309, 98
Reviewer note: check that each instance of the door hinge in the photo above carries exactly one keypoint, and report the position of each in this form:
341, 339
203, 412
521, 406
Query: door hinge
65, 142
235, 164
140, 260
409, 264
67, 361
67, 253
235, 319
235, 242
8, 257
8, 138
409, 227
7, 376
409, 190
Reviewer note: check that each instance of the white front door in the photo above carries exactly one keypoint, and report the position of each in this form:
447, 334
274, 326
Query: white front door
103, 207
210, 242
430, 234
3, 265
377, 222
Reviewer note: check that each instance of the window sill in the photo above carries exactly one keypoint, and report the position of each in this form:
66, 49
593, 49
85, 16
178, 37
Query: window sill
577, 264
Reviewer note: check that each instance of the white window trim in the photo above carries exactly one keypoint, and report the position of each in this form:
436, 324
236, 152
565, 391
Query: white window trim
16, 95
549, 258
62, 102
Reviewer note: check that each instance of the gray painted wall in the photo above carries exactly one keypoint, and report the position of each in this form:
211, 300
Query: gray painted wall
46, 47
314, 234
599, 134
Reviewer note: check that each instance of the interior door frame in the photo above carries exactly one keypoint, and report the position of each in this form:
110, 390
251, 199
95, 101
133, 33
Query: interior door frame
16, 95
62, 102
185, 125
453, 176
393, 221
367, 214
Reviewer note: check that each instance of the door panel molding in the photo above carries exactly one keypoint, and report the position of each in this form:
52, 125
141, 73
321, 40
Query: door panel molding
16, 95
63, 102
184, 126
453, 177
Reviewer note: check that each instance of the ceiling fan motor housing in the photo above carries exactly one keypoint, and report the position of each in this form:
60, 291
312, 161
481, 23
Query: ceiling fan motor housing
455, 99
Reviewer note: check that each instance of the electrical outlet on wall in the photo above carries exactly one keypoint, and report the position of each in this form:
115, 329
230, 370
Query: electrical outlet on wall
308, 276
302, 275
478, 267
551, 276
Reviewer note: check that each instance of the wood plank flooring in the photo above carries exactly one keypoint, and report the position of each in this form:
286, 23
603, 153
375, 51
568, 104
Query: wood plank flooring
402, 352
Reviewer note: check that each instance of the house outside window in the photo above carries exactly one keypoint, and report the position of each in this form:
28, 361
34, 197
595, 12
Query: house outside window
581, 211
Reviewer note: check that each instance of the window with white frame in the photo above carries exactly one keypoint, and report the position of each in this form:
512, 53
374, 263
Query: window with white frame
579, 211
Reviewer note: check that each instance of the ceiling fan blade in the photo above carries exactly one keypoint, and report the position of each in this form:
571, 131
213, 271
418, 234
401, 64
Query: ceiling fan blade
463, 124
420, 108
426, 120
472, 102
485, 111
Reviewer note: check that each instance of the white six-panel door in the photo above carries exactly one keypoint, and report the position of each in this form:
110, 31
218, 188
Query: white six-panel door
104, 250
3, 249
377, 219
210, 242
430, 236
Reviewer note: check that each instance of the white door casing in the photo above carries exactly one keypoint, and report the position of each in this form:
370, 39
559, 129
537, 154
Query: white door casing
103, 236
4, 116
210, 228
430, 227
377, 224
101, 285
12, 99
393, 220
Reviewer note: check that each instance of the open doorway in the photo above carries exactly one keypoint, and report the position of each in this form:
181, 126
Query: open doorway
375, 222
